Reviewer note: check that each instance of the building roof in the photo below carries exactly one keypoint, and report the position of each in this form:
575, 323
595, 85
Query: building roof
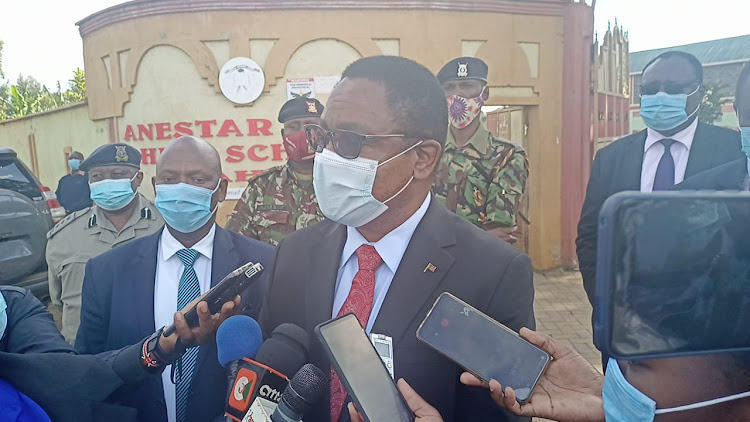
708, 52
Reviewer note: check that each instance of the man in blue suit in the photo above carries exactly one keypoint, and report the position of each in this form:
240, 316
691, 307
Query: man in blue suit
136, 288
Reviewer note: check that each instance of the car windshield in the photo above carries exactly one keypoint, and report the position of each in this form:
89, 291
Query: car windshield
16, 178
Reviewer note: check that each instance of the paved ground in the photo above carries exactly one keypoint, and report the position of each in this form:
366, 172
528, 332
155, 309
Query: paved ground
563, 311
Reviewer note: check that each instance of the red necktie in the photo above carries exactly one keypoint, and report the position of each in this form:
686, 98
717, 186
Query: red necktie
358, 302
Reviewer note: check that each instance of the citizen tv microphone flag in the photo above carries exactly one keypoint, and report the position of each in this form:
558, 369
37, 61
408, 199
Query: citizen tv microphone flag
238, 337
265, 377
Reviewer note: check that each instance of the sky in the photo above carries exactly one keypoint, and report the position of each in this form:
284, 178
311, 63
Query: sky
41, 38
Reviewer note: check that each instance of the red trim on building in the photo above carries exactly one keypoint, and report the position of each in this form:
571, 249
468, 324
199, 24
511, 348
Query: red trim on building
142, 8
576, 147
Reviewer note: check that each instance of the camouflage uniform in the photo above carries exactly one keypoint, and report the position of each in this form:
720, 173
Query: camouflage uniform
483, 181
273, 205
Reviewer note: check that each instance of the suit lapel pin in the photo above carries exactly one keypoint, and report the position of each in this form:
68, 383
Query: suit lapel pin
431, 268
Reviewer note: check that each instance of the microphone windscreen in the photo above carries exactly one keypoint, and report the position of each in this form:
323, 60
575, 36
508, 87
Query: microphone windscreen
287, 349
238, 337
305, 389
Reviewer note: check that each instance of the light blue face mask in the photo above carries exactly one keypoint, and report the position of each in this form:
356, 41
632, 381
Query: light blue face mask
665, 111
186, 208
74, 163
3, 315
625, 403
745, 131
112, 194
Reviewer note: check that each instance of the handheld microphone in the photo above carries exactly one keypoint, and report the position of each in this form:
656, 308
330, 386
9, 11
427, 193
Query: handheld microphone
260, 382
236, 338
305, 389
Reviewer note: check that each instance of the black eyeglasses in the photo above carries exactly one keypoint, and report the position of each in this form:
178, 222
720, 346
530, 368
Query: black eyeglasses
669, 88
345, 143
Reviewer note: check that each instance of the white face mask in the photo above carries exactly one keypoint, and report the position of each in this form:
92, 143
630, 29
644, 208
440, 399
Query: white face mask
344, 187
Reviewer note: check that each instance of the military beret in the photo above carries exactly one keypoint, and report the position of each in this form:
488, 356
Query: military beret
297, 108
463, 68
112, 155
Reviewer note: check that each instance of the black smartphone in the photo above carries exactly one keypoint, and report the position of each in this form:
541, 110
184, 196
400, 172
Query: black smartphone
361, 371
227, 289
673, 274
483, 346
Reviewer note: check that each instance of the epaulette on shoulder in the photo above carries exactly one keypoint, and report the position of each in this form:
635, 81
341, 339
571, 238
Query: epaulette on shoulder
504, 143
69, 219
146, 213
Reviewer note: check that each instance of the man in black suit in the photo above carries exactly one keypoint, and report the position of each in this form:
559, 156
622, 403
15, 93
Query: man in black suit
673, 147
133, 289
733, 175
387, 249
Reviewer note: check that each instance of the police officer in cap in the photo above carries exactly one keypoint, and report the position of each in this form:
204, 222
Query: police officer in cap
282, 199
482, 178
119, 214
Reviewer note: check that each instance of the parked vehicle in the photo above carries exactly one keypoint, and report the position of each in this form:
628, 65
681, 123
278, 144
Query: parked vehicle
28, 210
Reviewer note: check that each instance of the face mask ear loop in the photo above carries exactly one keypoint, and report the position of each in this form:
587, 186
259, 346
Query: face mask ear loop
212, 194
704, 403
401, 190
400, 153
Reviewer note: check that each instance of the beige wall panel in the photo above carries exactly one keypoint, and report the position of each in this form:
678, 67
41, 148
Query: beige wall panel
54, 132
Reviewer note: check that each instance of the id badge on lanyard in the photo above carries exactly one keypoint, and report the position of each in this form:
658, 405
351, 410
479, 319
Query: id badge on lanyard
384, 346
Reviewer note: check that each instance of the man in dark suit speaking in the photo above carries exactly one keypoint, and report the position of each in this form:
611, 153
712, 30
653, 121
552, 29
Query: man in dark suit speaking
130, 291
673, 147
387, 249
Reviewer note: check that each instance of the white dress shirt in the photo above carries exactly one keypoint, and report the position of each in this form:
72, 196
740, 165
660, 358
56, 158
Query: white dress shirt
169, 270
654, 150
391, 248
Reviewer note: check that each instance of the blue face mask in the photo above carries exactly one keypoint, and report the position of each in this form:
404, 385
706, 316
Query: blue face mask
625, 403
745, 131
3, 315
74, 163
186, 208
112, 194
665, 111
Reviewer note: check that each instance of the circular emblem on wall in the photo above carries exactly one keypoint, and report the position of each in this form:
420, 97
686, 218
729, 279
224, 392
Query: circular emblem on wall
241, 80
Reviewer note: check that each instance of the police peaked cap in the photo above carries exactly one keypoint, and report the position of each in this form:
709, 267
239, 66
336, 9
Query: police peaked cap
463, 68
112, 155
298, 108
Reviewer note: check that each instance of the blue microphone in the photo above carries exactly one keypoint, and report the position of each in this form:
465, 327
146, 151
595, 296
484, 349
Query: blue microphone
236, 338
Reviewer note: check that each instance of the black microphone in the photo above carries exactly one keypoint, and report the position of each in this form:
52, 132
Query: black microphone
259, 383
307, 387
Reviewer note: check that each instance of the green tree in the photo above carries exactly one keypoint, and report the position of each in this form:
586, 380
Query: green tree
710, 110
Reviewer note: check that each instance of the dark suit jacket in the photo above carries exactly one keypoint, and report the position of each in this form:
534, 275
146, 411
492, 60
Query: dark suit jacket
118, 310
36, 359
617, 168
730, 176
473, 265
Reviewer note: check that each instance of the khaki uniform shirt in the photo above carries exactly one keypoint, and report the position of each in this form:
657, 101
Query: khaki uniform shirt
80, 237
483, 181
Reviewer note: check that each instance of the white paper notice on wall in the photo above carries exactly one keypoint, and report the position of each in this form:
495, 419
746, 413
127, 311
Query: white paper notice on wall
325, 84
234, 193
300, 88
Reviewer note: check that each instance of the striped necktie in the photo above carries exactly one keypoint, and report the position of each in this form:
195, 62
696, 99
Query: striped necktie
188, 290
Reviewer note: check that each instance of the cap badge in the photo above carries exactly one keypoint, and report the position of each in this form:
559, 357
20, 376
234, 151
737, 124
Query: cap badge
463, 70
311, 107
121, 155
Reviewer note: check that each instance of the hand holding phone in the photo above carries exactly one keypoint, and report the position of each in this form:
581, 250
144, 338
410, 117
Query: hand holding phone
482, 345
227, 289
